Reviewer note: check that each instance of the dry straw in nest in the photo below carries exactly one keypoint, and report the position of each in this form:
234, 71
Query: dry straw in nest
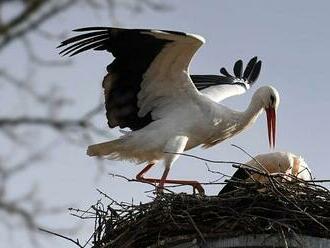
284, 206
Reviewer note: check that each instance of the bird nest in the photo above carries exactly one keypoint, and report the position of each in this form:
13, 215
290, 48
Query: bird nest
288, 207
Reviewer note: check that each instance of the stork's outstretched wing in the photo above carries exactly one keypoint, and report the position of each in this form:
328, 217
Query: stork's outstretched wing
218, 87
149, 74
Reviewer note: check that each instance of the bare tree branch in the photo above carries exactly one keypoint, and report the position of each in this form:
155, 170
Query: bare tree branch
30, 8
42, 121
9, 35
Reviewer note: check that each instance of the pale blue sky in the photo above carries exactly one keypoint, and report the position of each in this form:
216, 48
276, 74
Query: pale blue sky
291, 38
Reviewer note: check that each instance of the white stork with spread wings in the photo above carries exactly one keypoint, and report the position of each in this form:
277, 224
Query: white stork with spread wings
148, 89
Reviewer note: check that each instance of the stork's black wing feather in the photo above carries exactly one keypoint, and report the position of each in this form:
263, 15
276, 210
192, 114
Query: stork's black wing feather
238, 68
204, 81
254, 73
248, 77
225, 72
134, 50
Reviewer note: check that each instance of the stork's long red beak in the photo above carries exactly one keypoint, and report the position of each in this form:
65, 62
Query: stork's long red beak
271, 124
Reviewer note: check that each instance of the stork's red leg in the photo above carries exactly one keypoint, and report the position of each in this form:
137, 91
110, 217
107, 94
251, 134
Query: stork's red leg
163, 179
140, 177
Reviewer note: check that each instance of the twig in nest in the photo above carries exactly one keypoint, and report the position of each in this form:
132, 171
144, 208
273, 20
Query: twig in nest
76, 242
203, 159
195, 226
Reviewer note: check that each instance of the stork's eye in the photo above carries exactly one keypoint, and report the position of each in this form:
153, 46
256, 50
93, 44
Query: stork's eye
272, 99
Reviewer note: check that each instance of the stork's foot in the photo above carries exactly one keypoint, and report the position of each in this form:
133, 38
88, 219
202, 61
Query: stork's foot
160, 187
196, 185
161, 182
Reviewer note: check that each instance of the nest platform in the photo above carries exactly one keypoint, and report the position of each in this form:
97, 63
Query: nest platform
289, 209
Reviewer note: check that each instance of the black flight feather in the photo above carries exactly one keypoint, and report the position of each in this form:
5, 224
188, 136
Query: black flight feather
238, 68
255, 72
134, 50
249, 67
249, 76
225, 72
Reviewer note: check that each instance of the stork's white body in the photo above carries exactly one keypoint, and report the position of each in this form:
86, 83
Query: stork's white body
193, 122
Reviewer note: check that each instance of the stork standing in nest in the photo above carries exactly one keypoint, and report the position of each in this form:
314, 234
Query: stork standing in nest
149, 90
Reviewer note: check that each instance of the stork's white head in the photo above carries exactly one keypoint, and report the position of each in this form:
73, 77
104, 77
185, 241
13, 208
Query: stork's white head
269, 99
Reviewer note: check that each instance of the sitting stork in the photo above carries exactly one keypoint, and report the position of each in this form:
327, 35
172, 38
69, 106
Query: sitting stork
276, 162
149, 90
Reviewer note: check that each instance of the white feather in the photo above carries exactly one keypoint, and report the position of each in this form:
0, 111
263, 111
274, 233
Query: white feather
280, 162
218, 93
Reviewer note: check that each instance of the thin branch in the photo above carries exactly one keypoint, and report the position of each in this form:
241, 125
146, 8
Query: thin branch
46, 16
22, 85
76, 242
13, 209
204, 159
32, 7
34, 58
195, 226
253, 158
41, 121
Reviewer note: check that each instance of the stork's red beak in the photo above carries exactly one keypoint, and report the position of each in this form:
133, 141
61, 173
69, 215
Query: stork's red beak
271, 124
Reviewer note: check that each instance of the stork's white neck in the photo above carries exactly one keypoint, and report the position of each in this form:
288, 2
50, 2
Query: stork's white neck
252, 112
235, 122
229, 122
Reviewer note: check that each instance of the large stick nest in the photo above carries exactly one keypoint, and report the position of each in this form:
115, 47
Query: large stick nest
285, 207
